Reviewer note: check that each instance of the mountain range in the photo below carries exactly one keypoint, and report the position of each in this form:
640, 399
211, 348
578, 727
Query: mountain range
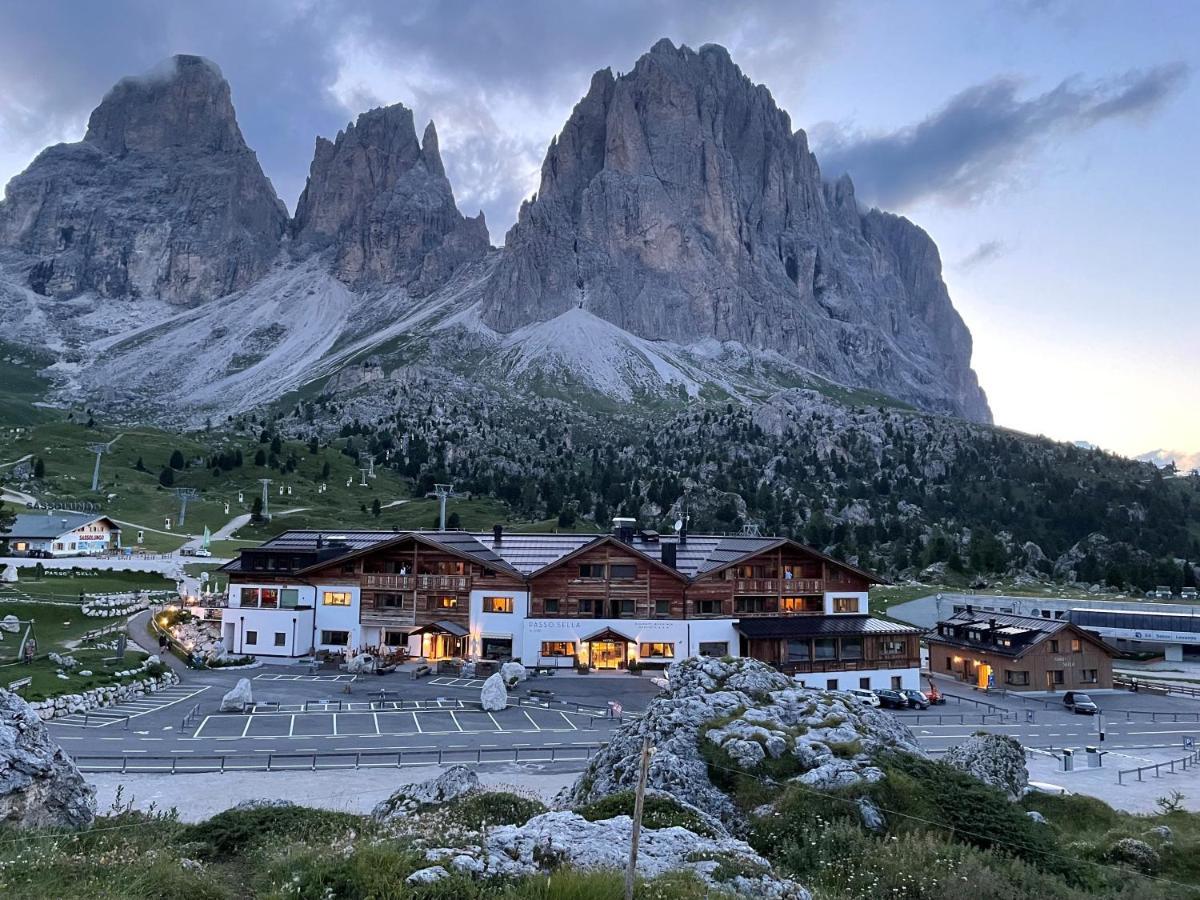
682, 244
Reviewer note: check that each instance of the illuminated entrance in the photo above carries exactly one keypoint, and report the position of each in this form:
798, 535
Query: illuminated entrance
442, 640
983, 673
607, 649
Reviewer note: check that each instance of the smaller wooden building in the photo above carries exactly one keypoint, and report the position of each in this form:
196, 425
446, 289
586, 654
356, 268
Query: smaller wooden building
1019, 653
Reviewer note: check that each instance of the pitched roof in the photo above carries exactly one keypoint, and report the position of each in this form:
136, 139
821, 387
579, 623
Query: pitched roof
52, 523
1036, 628
819, 626
526, 553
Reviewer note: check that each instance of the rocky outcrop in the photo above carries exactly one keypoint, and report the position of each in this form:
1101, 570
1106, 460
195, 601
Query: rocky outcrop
161, 198
513, 673
738, 715
555, 839
40, 787
678, 204
455, 782
994, 759
382, 202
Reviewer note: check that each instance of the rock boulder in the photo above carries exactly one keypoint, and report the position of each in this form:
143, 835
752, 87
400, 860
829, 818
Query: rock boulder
494, 695
238, 698
40, 787
455, 782
994, 759
513, 673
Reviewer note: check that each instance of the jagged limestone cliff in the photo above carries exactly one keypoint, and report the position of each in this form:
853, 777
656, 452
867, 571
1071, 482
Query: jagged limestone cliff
162, 197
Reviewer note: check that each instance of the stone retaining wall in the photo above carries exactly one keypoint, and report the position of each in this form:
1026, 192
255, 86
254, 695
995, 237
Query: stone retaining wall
100, 697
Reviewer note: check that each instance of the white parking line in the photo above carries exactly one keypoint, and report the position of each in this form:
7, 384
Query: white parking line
536, 726
417, 722
249, 722
454, 718
494, 722
335, 731
375, 716
568, 721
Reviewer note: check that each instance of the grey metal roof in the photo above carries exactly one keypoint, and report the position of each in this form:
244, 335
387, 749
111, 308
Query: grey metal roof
52, 524
819, 626
526, 553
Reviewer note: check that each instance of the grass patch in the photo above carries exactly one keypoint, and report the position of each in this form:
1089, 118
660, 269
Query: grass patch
657, 812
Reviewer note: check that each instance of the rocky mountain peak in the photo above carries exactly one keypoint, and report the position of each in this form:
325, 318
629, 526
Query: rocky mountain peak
382, 202
162, 197
678, 204
184, 102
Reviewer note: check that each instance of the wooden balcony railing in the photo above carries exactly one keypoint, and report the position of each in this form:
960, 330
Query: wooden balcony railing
849, 665
417, 582
786, 586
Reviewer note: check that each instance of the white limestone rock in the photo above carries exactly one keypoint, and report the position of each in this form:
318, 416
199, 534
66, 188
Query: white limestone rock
513, 674
427, 875
994, 759
362, 664
238, 698
40, 786
565, 838
752, 713
455, 782
494, 695
11, 624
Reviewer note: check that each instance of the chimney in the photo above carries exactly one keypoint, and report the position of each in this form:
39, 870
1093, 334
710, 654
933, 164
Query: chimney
670, 554
970, 610
623, 528
992, 630
497, 534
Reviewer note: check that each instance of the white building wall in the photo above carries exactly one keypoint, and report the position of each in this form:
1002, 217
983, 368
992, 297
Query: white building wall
309, 622
910, 679
498, 625
860, 596
685, 634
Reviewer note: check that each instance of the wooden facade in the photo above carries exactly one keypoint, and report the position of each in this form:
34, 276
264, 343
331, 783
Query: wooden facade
612, 581
1063, 659
844, 653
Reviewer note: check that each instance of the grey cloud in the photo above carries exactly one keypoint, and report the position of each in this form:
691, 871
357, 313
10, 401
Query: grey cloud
456, 62
982, 135
985, 253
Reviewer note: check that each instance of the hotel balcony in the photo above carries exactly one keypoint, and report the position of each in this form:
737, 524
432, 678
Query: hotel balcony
786, 586
806, 667
417, 582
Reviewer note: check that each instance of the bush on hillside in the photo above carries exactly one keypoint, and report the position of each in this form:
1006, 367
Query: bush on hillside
657, 812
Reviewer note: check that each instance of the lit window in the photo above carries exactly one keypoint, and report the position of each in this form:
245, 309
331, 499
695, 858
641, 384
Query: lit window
498, 604
336, 598
1076, 645
447, 602
845, 604
558, 648
666, 651
270, 598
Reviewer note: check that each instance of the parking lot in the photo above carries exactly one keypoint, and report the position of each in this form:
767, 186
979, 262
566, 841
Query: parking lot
394, 723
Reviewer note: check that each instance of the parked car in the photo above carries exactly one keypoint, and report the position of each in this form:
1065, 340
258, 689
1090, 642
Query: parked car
917, 699
891, 699
1188, 593
864, 696
202, 551
1079, 703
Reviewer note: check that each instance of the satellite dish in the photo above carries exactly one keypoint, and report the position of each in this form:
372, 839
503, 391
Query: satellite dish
678, 525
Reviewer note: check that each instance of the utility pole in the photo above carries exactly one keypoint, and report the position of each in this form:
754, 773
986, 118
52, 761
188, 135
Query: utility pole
184, 494
99, 450
638, 803
266, 498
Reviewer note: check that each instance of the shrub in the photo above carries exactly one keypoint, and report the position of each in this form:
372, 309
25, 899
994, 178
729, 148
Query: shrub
657, 812
494, 808
235, 831
845, 749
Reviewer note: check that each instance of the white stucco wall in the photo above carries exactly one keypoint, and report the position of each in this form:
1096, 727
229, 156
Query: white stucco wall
499, 625
686, 634
910, 679
860, 596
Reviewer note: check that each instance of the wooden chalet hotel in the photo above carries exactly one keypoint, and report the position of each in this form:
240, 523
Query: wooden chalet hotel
566, 599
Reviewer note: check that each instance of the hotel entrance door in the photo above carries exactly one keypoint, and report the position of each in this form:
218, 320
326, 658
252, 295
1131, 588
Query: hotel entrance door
607, 654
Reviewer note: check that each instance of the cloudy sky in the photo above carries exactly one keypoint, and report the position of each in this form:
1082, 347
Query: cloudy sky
1049, 147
